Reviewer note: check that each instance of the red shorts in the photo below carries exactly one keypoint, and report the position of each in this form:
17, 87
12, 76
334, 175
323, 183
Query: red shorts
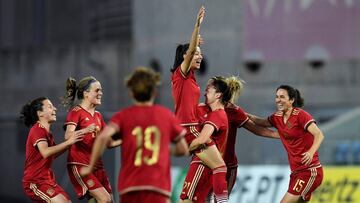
305, 182
231, 177
198, 183
43, 192
82, 185
144, 196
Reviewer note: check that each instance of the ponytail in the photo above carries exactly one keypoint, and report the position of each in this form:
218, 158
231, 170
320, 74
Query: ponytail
236, 86
71, 88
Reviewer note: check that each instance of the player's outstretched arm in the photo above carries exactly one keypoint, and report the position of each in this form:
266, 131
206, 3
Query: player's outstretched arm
194, 41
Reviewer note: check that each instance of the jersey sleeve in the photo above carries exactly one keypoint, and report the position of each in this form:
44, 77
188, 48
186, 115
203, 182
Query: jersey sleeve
103, 124
117, 121
215, 120
241, 117
271, 120
305, 119
178, 74
72, 118
38, 135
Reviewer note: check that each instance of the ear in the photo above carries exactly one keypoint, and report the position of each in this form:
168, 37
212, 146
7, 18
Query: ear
39, 114
292, 101
85, 94
218, 95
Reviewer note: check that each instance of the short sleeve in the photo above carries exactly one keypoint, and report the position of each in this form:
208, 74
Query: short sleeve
103, 124
271, 120
72, 118
38, 135
215, 120
117, 120
241, 118
305, 119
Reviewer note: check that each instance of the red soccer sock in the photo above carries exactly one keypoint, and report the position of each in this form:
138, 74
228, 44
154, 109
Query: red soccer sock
220, 184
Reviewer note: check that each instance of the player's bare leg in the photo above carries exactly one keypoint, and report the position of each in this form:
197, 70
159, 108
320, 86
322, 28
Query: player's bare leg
101, 195
60, 199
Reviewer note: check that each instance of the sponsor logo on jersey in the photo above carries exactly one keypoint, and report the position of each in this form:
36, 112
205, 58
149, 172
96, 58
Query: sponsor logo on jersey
90, 183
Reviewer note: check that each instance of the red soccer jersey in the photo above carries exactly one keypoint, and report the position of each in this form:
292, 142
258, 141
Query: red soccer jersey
186, 94
219, 120
295, 137
146, 132
80, 152
38, 169
236, 118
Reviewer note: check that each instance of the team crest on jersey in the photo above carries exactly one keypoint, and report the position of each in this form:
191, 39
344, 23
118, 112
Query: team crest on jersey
90, 183
87, 119
289, 125
285, 135
50, 191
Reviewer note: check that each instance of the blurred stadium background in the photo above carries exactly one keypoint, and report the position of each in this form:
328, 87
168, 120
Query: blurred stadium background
312, 45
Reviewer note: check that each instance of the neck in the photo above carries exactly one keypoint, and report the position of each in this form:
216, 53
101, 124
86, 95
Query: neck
44, 123
288, 111
88, 106
216, 105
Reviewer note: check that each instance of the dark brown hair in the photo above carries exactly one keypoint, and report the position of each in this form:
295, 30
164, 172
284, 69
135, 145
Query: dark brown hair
29, 111
142, 83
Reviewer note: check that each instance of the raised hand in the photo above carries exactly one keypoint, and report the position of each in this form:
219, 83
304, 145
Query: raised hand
200, 40
200, 16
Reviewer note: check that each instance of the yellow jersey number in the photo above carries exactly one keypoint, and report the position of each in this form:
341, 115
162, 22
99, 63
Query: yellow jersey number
143, 139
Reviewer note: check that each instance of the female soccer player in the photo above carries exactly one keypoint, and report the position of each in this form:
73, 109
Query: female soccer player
146, 131
89, 92
39, 180
186, 94
301, 138
199, 181
237, 118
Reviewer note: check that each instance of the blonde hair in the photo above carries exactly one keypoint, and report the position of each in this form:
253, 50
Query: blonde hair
236, 86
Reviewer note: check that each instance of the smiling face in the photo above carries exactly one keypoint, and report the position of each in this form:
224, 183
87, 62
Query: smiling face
283, 101
48, 112
196, 61
94, 94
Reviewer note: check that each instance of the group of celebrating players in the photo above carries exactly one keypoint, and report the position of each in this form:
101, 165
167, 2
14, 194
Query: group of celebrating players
146, 130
